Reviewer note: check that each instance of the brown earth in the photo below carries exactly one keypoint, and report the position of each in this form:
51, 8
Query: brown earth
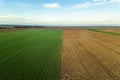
88, 55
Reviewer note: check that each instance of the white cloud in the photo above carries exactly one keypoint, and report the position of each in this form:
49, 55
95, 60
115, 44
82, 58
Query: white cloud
9, 19
115, 1
82, 5
81, 19
51, 5
95, 3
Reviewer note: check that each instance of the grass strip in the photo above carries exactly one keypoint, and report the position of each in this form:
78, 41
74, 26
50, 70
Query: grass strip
98, 30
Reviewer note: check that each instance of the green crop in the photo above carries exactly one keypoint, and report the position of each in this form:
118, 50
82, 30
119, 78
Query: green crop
30, 55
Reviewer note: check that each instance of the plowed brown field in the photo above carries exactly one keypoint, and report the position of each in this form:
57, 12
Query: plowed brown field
88, 55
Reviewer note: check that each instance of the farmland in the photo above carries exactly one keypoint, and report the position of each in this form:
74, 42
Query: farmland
60, 54
116, 30
30, 54
90, 55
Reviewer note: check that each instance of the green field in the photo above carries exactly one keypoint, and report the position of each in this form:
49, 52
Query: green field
30, 55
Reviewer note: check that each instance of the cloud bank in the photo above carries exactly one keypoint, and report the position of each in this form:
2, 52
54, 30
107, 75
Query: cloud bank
51, 5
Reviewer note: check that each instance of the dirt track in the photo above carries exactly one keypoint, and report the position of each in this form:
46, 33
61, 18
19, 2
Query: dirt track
89, 55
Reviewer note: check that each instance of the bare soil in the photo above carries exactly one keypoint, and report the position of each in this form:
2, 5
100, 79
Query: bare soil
88, 55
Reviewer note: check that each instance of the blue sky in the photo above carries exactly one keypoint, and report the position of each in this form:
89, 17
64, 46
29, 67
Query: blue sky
60, 12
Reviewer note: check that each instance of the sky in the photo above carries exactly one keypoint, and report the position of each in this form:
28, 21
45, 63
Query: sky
60, 12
